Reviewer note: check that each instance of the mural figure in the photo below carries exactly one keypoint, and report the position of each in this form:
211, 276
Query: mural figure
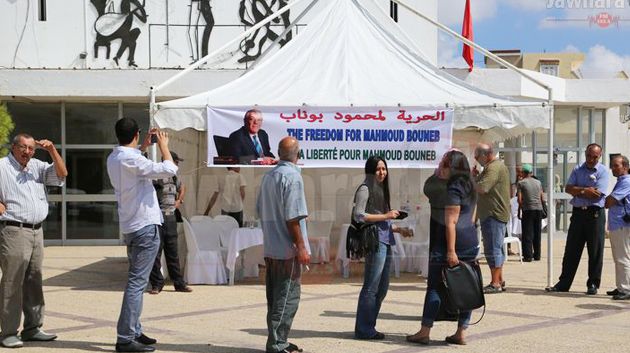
203, 9
111, 25
254, 11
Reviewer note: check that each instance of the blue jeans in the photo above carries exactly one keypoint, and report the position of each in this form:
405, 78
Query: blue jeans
375, 285
493, 232
142, 247
432, 299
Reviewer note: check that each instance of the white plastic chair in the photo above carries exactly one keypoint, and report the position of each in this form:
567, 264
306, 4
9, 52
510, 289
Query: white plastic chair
203, 266
226, 224
513, 230
196, 218
417, 247
318, 227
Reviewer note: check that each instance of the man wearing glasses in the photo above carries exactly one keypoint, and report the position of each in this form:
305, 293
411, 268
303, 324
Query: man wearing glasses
23, 208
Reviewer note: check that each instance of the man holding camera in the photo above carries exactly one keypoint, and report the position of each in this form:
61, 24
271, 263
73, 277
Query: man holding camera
619, 226
140, 217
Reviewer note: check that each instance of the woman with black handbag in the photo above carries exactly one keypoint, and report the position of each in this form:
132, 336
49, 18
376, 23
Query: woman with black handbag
372, 206
459, 242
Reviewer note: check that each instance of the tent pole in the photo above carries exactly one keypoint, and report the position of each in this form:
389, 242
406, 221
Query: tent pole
284, 33
550, 174
152, 110
551, 205
203, 60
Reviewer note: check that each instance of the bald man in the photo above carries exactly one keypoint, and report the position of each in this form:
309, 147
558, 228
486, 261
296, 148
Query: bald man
281, 205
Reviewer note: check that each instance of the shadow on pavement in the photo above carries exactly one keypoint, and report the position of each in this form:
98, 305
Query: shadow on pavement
109, 274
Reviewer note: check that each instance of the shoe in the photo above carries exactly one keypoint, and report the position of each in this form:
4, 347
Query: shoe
503, 286
591, 290
490, 289
621, 296
38, 335
613, 292
418, 339
453, 340
527, 259
537, 259
144, 339
155, 290
12, 342
133, 346
184, 289
555, 289
376, 336
294, 348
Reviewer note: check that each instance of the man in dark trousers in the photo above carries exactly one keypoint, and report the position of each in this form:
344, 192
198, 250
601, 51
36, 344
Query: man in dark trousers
587, 184
170, 194
250, 142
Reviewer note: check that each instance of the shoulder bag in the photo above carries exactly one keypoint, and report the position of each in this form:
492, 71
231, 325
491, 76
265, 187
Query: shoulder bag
464, 286
362, 238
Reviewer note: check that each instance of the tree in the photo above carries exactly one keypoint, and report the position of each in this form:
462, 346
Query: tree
6, 128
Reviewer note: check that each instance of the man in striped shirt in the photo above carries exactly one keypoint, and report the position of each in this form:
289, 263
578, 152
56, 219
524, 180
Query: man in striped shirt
23, 208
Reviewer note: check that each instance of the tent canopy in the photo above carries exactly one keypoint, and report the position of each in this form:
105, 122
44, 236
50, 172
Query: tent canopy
353, 54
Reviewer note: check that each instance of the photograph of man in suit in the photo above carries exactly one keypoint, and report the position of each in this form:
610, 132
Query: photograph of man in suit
250, 142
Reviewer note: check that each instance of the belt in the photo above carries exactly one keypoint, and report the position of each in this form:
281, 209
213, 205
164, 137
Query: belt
22, 225
584, 208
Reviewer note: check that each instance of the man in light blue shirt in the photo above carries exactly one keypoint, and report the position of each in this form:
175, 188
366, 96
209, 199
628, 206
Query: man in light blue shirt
587, 184
618, 204
140, 216
281, 205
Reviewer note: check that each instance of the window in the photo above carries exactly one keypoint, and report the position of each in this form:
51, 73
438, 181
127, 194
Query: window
42, 10
393, 10
91, 123
549, 69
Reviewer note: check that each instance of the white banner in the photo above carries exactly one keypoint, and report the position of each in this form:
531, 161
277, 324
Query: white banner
407, 137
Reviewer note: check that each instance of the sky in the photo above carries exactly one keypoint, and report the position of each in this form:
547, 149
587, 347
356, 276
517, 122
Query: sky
535, 26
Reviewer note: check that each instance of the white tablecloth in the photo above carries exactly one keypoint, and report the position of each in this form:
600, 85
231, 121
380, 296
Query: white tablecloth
240, 239
398, 251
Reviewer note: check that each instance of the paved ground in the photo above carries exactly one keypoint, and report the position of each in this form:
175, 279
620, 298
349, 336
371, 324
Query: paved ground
83, 287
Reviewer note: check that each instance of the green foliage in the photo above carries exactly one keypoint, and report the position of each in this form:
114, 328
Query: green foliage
6, 128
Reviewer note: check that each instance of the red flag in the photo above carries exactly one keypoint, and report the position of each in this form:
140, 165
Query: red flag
467, 32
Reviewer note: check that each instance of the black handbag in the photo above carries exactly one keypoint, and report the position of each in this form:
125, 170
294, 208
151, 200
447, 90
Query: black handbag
544, 210
464, 286
362, 238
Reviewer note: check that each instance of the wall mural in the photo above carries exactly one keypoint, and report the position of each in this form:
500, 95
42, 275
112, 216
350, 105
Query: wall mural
198, 9
254, 11
111, 25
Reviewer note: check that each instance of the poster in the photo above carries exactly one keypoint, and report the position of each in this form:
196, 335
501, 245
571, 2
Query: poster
407, 137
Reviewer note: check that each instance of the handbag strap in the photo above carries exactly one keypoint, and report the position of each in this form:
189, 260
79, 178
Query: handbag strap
352, 221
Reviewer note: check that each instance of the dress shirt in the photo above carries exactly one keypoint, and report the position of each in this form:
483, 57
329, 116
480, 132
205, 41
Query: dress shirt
621, 193
281, 199
23, 191
230, 190
131, 175
583, 176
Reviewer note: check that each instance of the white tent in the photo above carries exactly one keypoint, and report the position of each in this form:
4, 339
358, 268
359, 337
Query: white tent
353, 54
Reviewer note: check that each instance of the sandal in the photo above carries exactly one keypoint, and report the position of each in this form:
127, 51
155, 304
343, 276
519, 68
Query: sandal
490, 289
453, 340
294, 348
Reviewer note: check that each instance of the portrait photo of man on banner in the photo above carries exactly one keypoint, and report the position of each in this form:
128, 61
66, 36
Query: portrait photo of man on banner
408, 137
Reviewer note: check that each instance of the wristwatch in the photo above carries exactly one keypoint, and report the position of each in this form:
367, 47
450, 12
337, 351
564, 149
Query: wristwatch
582, 192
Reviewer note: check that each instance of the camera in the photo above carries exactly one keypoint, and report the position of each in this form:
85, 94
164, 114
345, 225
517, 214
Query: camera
153, 138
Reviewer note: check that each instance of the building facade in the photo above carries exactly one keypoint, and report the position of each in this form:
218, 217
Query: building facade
71, 68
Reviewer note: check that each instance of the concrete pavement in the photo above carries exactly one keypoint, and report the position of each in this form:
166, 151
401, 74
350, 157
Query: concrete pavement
83, 289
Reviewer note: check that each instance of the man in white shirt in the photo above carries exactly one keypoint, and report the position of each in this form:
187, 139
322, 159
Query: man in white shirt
232, 191
139, 213
23, 208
